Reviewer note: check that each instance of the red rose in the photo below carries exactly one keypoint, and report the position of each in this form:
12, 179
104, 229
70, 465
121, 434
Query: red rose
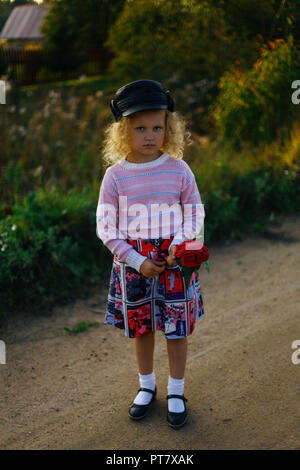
192, 253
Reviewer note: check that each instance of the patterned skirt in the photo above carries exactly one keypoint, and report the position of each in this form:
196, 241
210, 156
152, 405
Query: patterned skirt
138, 304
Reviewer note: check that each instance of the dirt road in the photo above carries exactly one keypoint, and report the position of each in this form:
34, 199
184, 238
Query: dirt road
73, 392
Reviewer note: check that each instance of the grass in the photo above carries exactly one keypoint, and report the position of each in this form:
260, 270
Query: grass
80, 327
83, 87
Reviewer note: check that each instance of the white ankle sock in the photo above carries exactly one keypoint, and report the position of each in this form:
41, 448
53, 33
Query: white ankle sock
146, 381
175, 387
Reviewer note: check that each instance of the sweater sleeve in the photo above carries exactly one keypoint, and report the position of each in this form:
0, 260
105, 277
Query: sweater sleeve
107, 226
192, 209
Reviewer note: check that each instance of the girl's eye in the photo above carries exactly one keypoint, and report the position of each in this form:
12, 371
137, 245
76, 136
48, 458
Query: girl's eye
156, 127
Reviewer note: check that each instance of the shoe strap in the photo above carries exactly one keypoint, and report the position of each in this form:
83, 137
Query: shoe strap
177, 396
142, 389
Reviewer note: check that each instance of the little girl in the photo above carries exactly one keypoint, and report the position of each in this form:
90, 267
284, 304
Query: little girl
143, 151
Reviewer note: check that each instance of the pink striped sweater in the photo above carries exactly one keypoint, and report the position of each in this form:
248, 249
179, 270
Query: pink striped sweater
155, 199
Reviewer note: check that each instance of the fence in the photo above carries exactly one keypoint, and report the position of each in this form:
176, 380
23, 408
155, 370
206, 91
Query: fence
28, 67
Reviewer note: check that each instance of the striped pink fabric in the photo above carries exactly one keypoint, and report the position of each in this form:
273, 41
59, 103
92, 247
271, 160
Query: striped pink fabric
127, 196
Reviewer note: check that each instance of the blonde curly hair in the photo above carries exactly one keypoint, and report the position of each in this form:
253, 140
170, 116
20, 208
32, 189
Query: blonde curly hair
116, 144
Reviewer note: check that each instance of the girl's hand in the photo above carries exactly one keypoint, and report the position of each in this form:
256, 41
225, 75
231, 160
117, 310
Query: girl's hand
151, 268
171, 259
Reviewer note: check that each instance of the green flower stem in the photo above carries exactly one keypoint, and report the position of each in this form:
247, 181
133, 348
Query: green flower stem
206, 265
187, 273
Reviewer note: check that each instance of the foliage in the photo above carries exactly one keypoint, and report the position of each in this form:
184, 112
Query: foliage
76, 30
49, 249
192, 47
52, 135
258, 19
164, 38
251, 105
80, 327
151, 39
254, 23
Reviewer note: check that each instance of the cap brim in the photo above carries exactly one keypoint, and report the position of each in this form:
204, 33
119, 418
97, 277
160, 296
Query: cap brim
143, 107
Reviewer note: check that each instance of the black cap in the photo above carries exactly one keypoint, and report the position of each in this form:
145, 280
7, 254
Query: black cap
139, 96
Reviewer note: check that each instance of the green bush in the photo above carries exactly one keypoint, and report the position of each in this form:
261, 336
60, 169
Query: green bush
262, 192
163, 38
221, 215
49, 250
253, 105
52, 135
251, 202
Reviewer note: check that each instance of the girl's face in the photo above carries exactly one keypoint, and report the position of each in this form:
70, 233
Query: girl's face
147, 133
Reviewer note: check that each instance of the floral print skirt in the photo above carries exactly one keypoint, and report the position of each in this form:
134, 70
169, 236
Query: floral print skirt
138, 304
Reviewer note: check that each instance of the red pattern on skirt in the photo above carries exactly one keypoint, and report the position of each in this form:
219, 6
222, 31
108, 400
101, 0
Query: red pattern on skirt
139, 305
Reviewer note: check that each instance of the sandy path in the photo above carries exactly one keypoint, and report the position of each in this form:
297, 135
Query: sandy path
73, 392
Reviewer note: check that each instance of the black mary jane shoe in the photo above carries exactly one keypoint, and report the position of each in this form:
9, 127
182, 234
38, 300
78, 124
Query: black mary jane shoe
140, 411
176, 420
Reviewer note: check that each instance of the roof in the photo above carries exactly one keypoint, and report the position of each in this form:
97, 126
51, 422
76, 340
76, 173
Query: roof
24, 22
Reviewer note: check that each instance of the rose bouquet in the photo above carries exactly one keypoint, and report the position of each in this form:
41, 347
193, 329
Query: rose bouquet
190, 255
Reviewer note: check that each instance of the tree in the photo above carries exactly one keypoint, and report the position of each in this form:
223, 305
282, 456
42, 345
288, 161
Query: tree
161, 38
255, 23
75, 30
254, 104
